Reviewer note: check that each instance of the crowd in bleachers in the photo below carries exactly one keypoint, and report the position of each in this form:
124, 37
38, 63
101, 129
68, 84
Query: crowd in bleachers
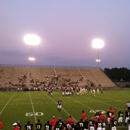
32, 82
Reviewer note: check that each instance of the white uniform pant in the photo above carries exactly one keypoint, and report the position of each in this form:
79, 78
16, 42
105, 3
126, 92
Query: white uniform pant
126, 119
99, 128
113, 128
120, 119
91, 128
129, 127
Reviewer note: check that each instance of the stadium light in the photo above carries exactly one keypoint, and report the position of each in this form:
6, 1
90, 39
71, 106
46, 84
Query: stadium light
32, 40
31, 58
98, 44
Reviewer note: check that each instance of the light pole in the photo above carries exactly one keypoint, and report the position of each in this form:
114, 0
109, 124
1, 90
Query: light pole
31, 59
98, 44
32, 40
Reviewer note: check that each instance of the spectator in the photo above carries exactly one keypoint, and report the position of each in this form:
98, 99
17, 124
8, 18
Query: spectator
53, 122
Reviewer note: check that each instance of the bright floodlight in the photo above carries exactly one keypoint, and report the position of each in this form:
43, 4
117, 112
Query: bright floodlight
32, 39
98, 43
31, 58
98, 60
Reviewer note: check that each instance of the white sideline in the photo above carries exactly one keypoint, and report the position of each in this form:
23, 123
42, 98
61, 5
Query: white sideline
105, 103
7, 103
32, 107
82, 104
62, 107
94, 100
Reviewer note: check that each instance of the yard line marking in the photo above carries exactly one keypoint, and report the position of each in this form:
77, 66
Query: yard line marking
104, 103
32, 107
62, 107
82, 104
7, 103
114, 100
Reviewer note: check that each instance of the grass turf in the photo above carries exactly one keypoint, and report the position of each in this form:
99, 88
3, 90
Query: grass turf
30, 106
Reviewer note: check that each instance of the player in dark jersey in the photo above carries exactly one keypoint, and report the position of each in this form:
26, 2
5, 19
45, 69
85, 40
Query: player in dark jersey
19, 125
103, 125
57, 126
50, 90
114, 123
120, 118
81, 124
47, 126
61, 123
91, 124
38, 125
67, 126
86, 122
127, 114
59, 105
129, 123
99, 125
28, 126
75, 126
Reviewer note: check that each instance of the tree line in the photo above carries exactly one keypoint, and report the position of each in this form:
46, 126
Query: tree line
118, 74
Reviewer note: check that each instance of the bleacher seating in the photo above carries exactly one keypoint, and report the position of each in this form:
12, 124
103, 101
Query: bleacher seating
33, 77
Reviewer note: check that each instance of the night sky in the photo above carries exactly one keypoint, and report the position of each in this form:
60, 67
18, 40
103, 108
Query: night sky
66, 29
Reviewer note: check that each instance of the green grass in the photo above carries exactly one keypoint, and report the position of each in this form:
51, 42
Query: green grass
15, 106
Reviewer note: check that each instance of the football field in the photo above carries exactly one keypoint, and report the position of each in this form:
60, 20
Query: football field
30, 106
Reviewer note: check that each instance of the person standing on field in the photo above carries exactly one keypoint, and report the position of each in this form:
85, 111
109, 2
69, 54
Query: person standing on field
38, 125
83, 115
28, 126
128, 105
59, 105
15, 125
1, 125
53, 122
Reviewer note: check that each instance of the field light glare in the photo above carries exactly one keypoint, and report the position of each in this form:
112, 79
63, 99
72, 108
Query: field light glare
31, 58
98, 60
32, 39
98, 43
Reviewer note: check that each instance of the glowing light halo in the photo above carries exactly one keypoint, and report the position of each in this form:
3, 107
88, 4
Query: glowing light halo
31, 58
32, 39
98, 60
97, 43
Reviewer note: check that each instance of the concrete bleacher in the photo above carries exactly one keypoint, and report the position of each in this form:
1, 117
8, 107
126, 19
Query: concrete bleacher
5, 76
90, 77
